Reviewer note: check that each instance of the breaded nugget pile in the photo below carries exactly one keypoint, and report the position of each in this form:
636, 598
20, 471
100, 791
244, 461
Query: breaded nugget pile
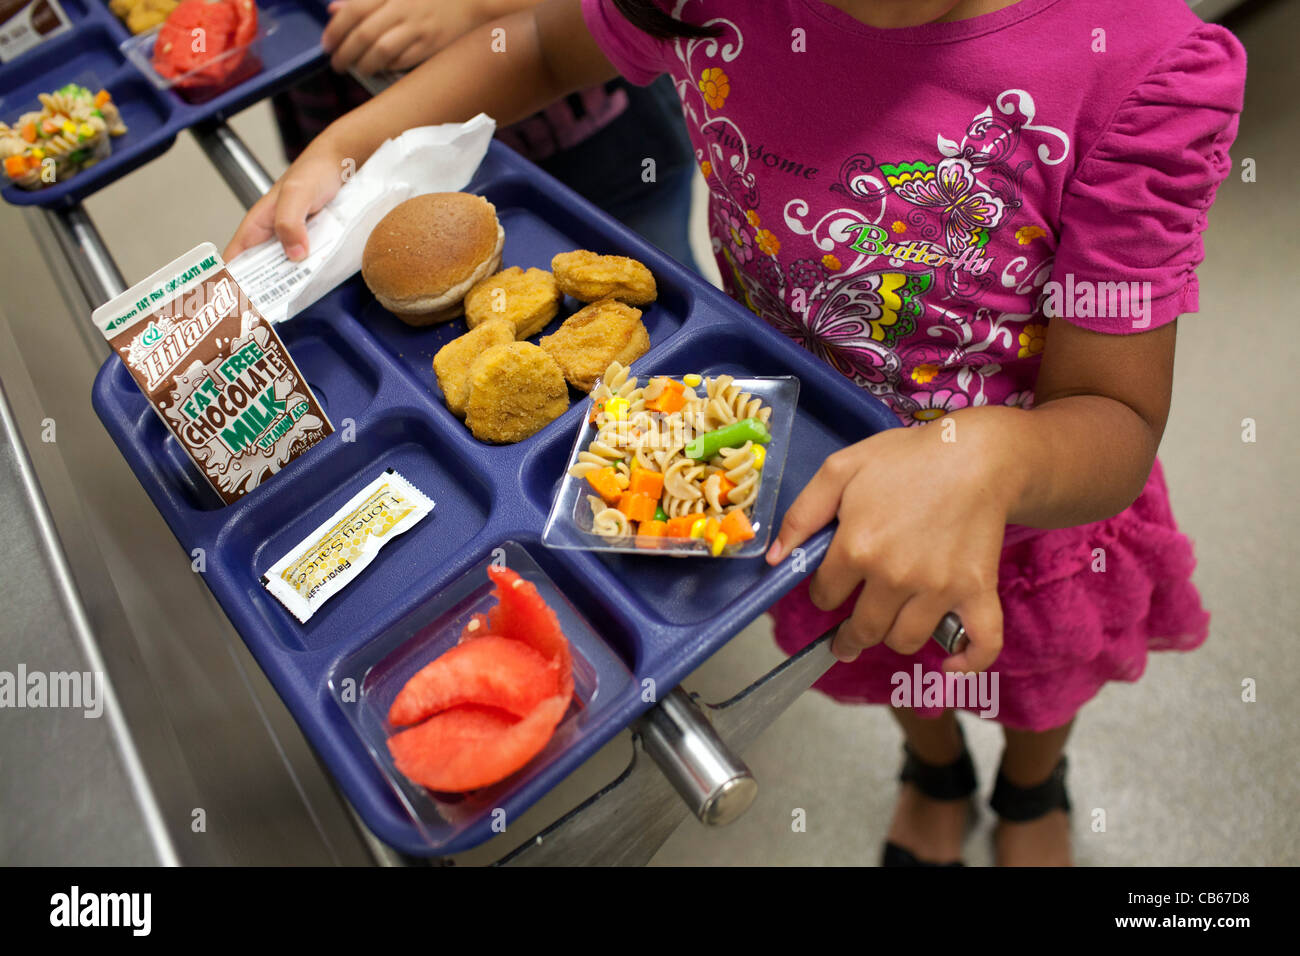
506, 390
589, 277
453, 361
514, 389
603, 332
527, 299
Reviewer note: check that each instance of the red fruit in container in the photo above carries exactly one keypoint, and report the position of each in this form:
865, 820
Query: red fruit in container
202, 44
193, 34
492, 671
521, 614
492, 702
472, 746
245, 21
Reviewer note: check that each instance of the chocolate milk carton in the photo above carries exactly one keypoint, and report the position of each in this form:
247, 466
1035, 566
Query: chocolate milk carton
214, 371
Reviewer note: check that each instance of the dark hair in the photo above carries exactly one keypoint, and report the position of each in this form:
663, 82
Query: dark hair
648, 17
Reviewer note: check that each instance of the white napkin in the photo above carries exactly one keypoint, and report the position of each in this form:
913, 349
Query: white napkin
427, 159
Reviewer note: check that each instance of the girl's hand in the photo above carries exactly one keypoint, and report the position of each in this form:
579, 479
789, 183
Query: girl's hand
371, 36
921, 522
311, 182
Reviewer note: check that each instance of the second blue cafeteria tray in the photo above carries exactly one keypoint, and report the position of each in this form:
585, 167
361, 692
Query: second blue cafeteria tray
660, 617
89, 54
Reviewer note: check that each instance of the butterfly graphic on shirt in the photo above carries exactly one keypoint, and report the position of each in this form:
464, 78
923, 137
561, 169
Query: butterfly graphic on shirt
969, 213
851, 323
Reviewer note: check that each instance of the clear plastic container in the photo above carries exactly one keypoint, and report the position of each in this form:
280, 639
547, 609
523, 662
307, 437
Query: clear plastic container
569, 524
365, 683
214, 76
66, 167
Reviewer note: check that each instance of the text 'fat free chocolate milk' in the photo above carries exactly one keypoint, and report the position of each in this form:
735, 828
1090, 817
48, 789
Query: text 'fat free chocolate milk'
215, 372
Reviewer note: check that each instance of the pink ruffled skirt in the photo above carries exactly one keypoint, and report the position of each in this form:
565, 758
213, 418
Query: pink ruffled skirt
1069, 625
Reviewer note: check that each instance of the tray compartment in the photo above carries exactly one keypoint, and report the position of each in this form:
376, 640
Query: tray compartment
363, 685
284, 511
89, 54
536, 228
344, 380
84, 54
694, 590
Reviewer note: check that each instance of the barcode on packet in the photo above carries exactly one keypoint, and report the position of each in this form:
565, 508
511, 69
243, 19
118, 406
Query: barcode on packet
279, 291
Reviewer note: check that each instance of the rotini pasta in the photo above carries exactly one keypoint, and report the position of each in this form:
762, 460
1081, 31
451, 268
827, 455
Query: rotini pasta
643, 433
70, 132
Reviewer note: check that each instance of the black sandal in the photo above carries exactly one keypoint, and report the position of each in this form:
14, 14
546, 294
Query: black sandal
1022, 804
953, 781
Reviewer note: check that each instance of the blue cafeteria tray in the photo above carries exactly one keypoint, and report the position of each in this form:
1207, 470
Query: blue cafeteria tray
88, 54
660, 618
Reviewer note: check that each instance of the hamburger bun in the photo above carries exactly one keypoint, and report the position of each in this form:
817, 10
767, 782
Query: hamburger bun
429, 251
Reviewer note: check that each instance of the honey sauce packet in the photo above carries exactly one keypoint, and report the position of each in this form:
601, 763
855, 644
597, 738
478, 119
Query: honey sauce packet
215, 371
332, 556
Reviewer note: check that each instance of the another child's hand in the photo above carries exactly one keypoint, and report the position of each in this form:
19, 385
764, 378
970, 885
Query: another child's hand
306, 186
372, 36
921, 522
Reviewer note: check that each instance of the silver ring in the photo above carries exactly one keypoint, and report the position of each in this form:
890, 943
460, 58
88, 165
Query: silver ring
951, 634
959, 640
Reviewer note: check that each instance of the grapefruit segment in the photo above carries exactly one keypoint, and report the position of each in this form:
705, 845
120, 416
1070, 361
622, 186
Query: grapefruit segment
489, 705
521, 614
471, 746
493, 671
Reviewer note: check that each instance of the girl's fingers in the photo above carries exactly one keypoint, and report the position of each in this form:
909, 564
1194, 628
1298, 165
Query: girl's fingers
344, 18
296, 201
362, 36
982, 618
916, 622
256, 227
872, 617
813, 509
384, 52
837, 575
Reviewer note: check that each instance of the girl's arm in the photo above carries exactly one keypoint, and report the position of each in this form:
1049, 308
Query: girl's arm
1085, 451
922, 510
548, 54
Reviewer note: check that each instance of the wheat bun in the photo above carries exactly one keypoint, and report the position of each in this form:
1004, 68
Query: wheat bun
430, 250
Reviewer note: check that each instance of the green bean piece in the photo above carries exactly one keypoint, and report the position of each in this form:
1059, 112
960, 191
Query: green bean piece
704, 447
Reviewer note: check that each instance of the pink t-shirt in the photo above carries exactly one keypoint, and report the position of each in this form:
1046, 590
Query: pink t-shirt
911, 204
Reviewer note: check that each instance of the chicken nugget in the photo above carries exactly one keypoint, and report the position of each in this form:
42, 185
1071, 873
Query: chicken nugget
605, 331
452, 362
514, 389
589, 277
528, 299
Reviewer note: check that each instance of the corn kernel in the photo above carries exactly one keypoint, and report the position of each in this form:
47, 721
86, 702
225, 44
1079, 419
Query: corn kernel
69, 127
760, 455
86, 130
719, 542
691, 380
616, 408
38, 153
697, 528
